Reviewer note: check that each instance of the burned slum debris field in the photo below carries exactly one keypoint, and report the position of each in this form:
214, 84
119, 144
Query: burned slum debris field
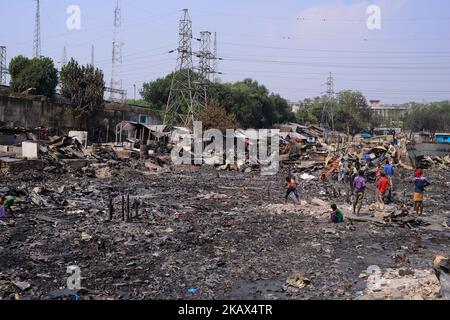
207, 234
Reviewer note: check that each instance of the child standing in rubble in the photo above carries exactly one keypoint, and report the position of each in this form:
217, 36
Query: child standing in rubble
378, 172
420, 183
359, 188
389, 170
382, 184
291, 187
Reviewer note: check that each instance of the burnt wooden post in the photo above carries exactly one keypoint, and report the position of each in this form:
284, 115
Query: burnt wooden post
111, 209
123, 208
136, 203
128, 207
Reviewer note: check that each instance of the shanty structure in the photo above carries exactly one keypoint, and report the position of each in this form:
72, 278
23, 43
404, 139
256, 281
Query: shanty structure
127, 130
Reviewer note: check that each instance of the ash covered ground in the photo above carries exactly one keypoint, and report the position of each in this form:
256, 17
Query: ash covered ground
207, 234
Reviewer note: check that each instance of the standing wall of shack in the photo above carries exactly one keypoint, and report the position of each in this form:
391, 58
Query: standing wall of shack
32, 112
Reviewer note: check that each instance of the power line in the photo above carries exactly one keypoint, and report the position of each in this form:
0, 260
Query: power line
347, 66
139, 53
446, 56
362, 39
86, 29
323, 19
333, 51
342, 73
274, 74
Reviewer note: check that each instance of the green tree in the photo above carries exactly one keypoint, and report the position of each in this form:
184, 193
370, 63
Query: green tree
249, 101
214, 116
156, 93
352, 112
38, 75
84, 86
432, 117
305, 116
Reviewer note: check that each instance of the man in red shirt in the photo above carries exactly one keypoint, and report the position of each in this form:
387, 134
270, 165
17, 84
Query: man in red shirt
383, 184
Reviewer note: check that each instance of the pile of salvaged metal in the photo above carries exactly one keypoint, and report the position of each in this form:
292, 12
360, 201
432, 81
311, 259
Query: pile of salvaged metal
104, 153
61, 148
64, 148
426, 162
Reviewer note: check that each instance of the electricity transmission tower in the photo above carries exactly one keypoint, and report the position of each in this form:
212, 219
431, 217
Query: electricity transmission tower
181, 105
327, 119
37, 33
216, 60
116, 83
205, 69
205, 56
63, 61
3, 69
92, 56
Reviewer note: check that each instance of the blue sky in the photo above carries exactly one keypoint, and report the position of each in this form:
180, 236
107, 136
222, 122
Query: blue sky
289, 46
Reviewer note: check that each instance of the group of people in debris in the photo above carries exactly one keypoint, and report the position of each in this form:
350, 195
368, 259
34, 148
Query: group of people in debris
358, 185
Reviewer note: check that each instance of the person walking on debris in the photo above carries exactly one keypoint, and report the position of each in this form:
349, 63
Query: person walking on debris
291, 187
420, 183
389, 170
353, 172
378, 172
382, 184
359, 187
341, 174
336, 215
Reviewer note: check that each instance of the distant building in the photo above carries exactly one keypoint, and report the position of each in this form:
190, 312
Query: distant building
295, 105
389, 113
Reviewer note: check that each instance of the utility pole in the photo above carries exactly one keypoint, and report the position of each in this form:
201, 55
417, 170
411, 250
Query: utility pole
134, 93
181, 94
3, 69
37, 32
116, 83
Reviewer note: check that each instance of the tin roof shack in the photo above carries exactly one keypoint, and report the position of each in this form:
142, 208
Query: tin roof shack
442, 137
298, 132
131, 135
126, 131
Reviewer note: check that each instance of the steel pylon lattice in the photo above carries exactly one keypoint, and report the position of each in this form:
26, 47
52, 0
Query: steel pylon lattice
117, 45
37, 32
3, 68
181, 107
327, 119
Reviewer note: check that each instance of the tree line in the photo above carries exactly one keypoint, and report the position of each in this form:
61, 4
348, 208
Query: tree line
246, 103
249, 102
